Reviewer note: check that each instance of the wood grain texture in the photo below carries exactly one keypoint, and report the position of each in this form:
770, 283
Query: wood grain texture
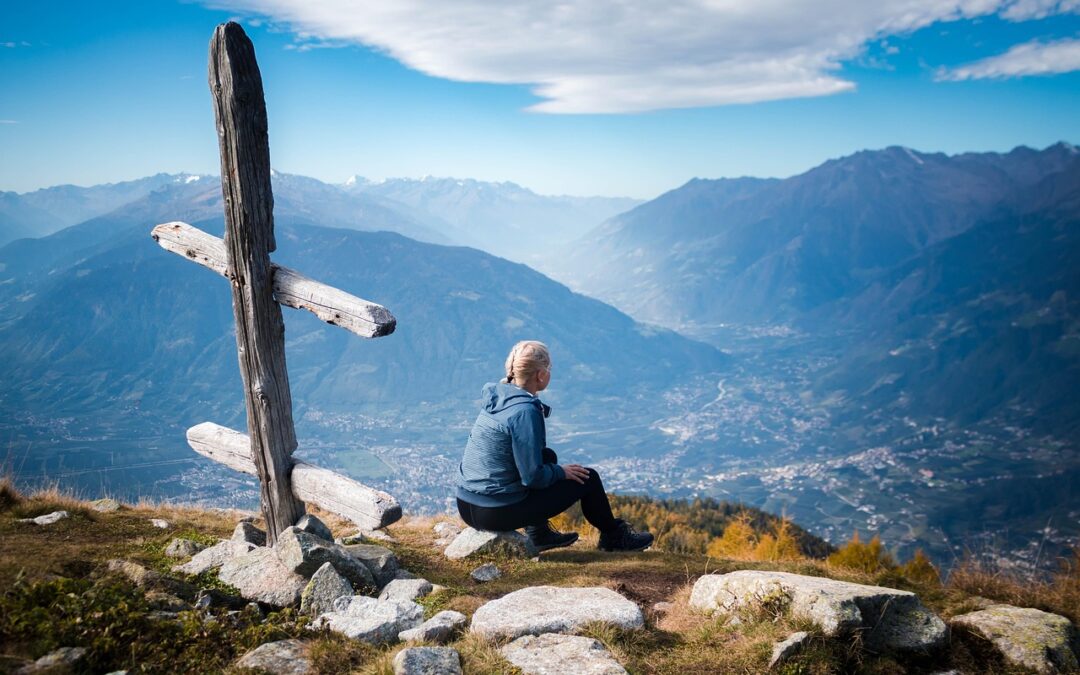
367, 507
291, 288
240, 114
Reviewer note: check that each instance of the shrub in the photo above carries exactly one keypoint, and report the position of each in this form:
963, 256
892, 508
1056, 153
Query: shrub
870, 557
920, 570
737, 541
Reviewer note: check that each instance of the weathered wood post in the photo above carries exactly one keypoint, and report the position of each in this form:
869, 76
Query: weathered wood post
258, 287
240, 113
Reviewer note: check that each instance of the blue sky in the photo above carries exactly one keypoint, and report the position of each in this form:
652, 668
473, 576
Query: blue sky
585, 97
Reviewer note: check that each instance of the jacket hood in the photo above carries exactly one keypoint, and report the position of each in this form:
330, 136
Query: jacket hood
498, 396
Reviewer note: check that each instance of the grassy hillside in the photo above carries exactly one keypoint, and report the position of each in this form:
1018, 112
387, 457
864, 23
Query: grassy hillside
58, 592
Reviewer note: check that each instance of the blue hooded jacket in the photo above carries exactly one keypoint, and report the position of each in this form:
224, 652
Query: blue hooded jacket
504, 456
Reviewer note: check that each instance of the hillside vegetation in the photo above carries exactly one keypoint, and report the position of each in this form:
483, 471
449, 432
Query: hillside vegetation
59, 592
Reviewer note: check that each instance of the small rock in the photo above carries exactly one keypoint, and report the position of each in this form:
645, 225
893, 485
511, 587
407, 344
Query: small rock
286, 657
440, 628
149, 579
427, 661
325, 587
485, 573
159, 523
480, 542
182, 548
663, 607
250, 518
405, 589
447, 529
312, 525
1026, 637
551, 609
161, 615
249, 534
214, 557
788, 647
166, 602
367, 537
380, 561
553, 653
62, 660
888, 619
47, 519
106, 505
404, 574
438, 588
212, 597
304, 553
261, 576
375, 621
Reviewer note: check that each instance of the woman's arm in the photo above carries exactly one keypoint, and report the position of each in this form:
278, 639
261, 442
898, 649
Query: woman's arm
528, 438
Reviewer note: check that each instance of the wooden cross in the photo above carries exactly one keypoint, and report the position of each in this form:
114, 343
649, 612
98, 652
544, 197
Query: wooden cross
258, 287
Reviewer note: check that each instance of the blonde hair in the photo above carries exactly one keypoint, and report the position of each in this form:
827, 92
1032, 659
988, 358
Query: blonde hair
525, 360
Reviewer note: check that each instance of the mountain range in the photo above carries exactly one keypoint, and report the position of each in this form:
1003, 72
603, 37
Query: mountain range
887, 342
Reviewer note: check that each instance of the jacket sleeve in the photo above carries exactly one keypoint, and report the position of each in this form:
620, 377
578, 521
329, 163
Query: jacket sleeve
528, 438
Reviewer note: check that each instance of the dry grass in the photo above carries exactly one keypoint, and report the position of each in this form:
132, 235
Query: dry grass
1059, 594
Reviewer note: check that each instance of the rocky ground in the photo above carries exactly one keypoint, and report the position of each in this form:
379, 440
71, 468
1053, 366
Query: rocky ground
100, 587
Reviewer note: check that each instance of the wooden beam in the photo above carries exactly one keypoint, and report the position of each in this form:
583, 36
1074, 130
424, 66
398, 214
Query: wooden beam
335, 307
365, 506
240, 114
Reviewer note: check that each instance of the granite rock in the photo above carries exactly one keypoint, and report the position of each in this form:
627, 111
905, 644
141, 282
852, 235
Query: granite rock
888, 619
551, 653
551, 609
1026, 637
427, 661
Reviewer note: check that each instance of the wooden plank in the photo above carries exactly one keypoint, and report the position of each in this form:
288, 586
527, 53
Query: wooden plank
240, 115
291, 288
365, 506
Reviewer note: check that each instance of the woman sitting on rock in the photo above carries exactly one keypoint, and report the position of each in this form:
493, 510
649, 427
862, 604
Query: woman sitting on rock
508, 478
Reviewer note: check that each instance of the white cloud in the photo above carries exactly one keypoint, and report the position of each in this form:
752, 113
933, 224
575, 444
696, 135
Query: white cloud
9, 121
1030, 58
617, 56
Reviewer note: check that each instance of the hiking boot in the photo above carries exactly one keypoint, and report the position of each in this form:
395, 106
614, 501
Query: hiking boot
543, 537
622, 537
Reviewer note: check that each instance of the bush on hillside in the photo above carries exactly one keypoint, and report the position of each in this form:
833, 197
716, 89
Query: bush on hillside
869, 557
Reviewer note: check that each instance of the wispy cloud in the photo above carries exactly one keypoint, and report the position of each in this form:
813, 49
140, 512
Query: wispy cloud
617, 56
1030, 58
9, 121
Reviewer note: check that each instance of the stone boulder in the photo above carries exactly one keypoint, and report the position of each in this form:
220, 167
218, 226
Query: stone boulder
183, 548
888, 619
375, 621
261, 576
160, 523
472, 542
312, 525
550, 609
788, 647
427, 661
553, 653
148, 579
106, 505
405, 589
325, 587
214, 557
304, 553
246, 532
380, 561
485, 573
285, 657
1026, 637
440, 628
57, 662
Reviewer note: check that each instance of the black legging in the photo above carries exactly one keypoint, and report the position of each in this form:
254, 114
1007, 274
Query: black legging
540, 505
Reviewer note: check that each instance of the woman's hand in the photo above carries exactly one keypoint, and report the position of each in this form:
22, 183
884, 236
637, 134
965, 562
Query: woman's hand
576, 473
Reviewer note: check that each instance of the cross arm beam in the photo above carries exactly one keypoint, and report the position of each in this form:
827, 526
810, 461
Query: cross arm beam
367, 507
291, 288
